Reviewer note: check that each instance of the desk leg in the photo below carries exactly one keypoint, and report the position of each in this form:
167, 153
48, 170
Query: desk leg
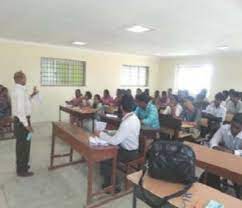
134, 199
89, 181
52, 150
71, 154
113, 179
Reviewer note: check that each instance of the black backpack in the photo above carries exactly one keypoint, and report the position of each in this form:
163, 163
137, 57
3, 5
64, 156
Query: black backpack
170, 161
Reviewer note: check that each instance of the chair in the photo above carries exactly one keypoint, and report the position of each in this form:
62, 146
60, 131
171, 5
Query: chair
170, 126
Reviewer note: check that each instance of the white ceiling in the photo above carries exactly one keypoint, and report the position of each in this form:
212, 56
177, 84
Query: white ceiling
181, 26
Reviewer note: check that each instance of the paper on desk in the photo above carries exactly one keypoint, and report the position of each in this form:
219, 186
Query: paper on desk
100, 126
97, 141
111, 115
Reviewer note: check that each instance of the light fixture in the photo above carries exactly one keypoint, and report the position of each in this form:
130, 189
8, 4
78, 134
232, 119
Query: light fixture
138, 29
222, 48
78, 43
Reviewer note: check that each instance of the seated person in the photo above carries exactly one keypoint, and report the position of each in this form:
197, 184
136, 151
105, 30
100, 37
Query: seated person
107, 99
225, 97
117, 100
77, 101
97, 104
174, 108
164, 100
189, 113
234, 105
202, 96
228, 139
147, 112
87, 101
127, 137
5, 104
215, 108
138, 91
156, 99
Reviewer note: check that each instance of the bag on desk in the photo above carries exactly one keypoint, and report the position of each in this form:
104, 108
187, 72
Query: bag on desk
172, 162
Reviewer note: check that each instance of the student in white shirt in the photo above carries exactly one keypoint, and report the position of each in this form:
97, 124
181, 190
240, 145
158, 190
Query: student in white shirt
126, 137
216, 109
174, 108
227, 139
21, 110
234, 105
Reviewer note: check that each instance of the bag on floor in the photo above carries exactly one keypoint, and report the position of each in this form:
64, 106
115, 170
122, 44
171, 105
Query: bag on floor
172, 162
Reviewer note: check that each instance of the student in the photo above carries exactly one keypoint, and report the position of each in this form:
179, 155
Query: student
189, 113
165, 100
87, 101
107, 99
97, 104
234, 105
147, 112
228, 139
5, 104
202, 96
225, 97
77, 101
126, 137
156, 99
216, 109
138, 91
147, 92
174, 108
169, 92
129, 92
21, 107
118, 98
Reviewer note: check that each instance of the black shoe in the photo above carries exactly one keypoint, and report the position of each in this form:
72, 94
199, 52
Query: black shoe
25, 174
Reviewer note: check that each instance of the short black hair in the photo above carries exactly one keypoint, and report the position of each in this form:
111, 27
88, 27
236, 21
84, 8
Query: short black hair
237, 118
143, 97
236, 94
219, 96
127, 103
88, 94
106, 91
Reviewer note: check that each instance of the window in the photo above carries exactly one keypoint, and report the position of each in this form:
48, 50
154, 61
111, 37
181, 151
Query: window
62, 72
193, 78
134, 76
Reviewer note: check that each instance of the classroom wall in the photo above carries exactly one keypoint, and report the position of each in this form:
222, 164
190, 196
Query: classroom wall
103, 71
227, 72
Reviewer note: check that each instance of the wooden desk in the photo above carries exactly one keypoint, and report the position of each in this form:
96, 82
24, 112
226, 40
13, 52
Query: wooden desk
113, 123
219, 163
82, 114
201, 194
78, 139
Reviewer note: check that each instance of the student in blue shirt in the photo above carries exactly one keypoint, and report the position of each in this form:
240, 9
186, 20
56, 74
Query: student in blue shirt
147, 112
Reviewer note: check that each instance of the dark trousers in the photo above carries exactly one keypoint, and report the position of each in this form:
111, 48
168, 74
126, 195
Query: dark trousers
106, 166
22, 146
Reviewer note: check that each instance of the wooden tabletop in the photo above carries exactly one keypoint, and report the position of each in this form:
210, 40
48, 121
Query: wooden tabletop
201, 194
84, 110
220, 163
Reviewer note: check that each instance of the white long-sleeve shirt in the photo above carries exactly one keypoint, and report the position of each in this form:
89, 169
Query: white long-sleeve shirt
21, 105
219, 112
127, 136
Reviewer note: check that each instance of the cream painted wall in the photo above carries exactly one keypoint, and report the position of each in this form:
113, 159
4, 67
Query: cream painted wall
227, 71
103, 71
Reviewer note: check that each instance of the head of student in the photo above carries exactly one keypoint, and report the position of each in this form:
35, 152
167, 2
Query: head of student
169, 91
225, 94
97, 98
142, 100
174, 100
4, 92
157, 94
164, 94
231, 91
106, 93
218, 99
235, 97
126, 104
147, 92
88, 95
20, 78
236, 124
138, 91
78, 93
129, 92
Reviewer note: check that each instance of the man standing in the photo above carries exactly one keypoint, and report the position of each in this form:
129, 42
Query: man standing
21, 110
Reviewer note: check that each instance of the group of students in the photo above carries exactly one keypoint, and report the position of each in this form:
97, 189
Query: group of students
144, 110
